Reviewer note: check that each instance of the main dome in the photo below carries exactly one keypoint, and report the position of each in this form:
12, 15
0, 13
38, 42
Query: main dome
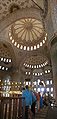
27, 33
28, 29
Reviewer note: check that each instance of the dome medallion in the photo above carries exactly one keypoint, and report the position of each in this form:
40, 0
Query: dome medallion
27, 33
28, 29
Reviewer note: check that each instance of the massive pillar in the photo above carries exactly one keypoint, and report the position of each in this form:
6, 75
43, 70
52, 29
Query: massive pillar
54, 66
51, 28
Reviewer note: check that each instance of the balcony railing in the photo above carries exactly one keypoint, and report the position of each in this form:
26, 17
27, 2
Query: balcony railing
12, 107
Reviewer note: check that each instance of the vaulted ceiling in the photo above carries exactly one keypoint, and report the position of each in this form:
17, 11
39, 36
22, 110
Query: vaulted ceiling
23, 37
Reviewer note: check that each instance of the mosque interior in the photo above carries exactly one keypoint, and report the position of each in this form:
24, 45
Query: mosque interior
28, 46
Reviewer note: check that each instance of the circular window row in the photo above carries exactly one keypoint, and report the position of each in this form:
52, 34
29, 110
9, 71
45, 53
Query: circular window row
3, 68
35, 66
38, 74
6, 60
28, 48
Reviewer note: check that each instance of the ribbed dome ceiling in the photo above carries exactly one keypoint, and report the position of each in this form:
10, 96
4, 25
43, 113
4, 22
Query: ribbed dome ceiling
27, 31
36, 60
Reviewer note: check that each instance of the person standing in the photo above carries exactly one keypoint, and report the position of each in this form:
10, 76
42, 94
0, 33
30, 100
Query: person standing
38, 101
41, 102
33, 103
28, 100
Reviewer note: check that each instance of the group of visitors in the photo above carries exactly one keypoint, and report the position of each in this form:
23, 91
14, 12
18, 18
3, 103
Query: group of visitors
34, 99
31, 99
